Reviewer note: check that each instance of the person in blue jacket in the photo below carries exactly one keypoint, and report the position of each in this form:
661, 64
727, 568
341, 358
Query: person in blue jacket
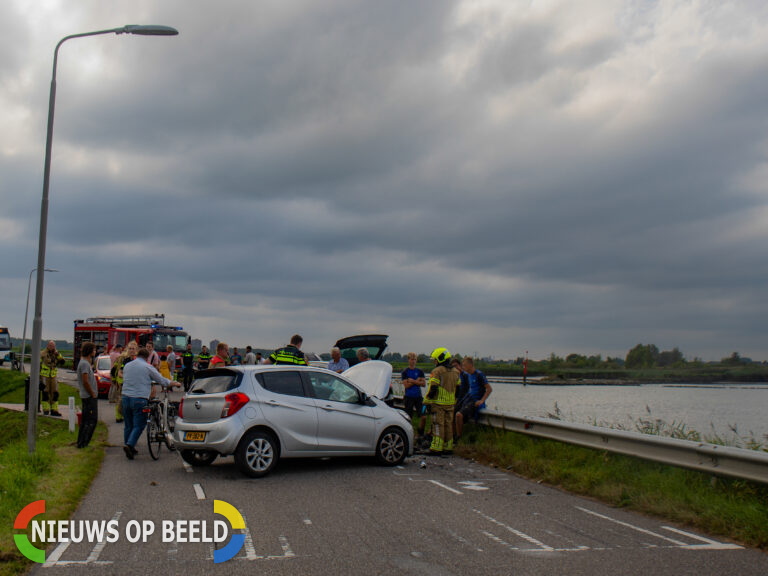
477, 391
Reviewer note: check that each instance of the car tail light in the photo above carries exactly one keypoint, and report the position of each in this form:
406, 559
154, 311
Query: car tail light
233, 402
181, 408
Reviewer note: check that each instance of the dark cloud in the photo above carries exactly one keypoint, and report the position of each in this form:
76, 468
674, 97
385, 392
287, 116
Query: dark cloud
502, 181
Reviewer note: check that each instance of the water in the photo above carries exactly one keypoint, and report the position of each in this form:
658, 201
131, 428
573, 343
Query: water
735, 413
730, 411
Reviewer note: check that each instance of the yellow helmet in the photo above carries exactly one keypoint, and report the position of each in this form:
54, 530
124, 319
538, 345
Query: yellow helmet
440, 354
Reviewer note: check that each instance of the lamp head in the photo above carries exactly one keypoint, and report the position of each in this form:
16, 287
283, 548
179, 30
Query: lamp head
148, 30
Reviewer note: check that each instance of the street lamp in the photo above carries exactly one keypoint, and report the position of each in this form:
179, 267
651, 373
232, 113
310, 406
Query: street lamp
37, 322
26, 313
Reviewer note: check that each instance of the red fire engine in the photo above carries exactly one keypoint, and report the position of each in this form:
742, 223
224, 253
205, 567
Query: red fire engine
106, 332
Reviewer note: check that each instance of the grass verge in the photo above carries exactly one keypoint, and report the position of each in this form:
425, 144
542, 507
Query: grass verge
58, 473
12, 389
735, 509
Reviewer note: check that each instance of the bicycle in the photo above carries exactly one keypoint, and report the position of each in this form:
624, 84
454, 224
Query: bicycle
161, 419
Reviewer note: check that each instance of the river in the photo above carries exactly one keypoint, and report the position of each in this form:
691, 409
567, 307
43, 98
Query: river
735, 413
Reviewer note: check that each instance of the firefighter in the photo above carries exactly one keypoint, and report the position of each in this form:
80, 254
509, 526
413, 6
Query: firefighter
50, 360
203, 359
441, 393
130, 353
187, 362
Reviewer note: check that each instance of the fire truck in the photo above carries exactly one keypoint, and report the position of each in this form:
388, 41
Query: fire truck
106, 332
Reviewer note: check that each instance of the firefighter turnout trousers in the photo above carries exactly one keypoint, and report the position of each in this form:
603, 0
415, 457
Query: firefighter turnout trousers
442, 428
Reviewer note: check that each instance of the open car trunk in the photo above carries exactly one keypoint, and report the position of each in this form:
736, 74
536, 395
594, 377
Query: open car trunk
375, 343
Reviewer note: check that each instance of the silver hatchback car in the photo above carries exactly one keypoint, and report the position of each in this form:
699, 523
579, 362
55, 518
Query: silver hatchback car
264, 413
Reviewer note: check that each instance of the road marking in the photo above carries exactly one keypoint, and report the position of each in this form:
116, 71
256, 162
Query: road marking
56, 554
96, 552
250, 549
710, 544
435, 482
93, 557
632, 526
287, 552
529, 539
199, 491
307, 521
473, 485
187, 466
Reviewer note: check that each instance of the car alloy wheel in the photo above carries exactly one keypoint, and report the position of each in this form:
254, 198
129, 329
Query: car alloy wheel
392, 447
257, 453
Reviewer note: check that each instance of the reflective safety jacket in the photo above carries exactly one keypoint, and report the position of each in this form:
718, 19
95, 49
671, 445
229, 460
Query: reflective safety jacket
203, 360
288, 355
187, 360
49, 363
442, 385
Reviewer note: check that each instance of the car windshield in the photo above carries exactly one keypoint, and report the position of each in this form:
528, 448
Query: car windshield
215, 381
161, 341
103, 363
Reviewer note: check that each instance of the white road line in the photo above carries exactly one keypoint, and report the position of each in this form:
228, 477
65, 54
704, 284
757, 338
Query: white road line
250, 549
522, 535
96, 552
632, 526
710, 544
199, 491
187, 466
287, 552
307, 521
56, 554
446, 487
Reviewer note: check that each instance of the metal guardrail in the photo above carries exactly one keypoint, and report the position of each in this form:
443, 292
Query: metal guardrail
711, 458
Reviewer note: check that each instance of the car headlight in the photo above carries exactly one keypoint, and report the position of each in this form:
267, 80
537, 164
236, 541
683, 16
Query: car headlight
404, 414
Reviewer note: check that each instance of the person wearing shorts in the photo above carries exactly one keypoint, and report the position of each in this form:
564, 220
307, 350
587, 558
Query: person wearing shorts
477, 393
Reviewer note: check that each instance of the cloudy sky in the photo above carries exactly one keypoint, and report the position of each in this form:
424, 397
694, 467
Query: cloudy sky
492, 176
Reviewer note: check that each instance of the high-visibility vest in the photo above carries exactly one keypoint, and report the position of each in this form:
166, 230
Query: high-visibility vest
204, 359
288, 355
49, 365
445, 379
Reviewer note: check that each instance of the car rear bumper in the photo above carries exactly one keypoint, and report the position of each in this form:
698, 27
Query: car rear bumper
221, 436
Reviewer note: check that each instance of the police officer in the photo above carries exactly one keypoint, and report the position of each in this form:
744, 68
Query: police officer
50, 360
290, 354
441, 393
188, 364
203, 359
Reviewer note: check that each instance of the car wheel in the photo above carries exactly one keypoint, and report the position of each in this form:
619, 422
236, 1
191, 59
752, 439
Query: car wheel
392, 447
257, 454
199, 457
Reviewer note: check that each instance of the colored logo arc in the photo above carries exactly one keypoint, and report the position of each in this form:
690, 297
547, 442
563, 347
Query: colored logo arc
236, 520
21, 523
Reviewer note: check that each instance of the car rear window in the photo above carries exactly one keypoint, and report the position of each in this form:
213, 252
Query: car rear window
215, 381
287, 382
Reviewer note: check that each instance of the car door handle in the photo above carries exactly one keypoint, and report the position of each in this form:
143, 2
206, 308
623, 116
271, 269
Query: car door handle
328, 407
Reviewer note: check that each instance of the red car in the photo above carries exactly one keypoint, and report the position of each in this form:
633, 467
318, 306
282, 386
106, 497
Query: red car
101, 370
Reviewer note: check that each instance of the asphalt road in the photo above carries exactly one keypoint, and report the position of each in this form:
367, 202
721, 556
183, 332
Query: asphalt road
350, 516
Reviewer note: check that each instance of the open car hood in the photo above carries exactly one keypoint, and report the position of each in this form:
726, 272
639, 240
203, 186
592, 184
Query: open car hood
373, 377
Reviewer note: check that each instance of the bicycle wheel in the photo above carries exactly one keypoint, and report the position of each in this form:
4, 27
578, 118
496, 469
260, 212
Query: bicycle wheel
170, 421
154, 435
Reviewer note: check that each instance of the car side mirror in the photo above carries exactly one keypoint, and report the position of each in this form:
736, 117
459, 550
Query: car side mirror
363, 398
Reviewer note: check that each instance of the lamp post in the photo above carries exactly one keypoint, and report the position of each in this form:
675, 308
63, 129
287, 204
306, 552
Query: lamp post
26, 313
37, 322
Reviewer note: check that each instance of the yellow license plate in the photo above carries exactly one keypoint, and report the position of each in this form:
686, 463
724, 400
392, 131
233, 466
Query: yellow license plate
194, 436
